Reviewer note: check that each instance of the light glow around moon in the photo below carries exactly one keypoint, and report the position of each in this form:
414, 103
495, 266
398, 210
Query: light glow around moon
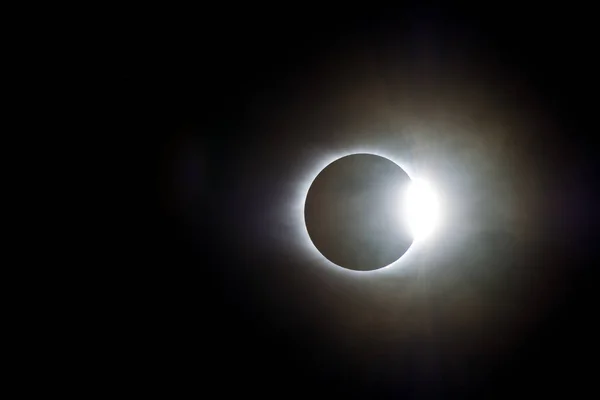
423, 190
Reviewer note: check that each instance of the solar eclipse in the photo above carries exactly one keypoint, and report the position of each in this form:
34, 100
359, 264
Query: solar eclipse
363, 212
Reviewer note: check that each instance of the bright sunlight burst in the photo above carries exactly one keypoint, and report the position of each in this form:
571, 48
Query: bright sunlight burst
422, 209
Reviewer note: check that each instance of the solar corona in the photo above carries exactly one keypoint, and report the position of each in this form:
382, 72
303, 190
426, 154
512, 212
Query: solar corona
363, 212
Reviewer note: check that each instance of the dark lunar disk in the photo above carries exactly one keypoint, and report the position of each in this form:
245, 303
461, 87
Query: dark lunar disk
354, 212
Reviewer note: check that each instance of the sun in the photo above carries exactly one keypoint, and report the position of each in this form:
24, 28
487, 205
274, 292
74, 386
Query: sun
421, 209
418, 209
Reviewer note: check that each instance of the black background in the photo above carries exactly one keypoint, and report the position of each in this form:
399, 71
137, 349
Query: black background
207, 320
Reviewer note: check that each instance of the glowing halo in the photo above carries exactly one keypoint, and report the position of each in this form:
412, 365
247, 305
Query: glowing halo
300, 199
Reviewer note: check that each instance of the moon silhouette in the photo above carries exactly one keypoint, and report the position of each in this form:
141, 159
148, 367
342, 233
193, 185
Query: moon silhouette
354, 212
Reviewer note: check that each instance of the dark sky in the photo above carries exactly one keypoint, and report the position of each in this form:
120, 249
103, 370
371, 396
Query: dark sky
241, 103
